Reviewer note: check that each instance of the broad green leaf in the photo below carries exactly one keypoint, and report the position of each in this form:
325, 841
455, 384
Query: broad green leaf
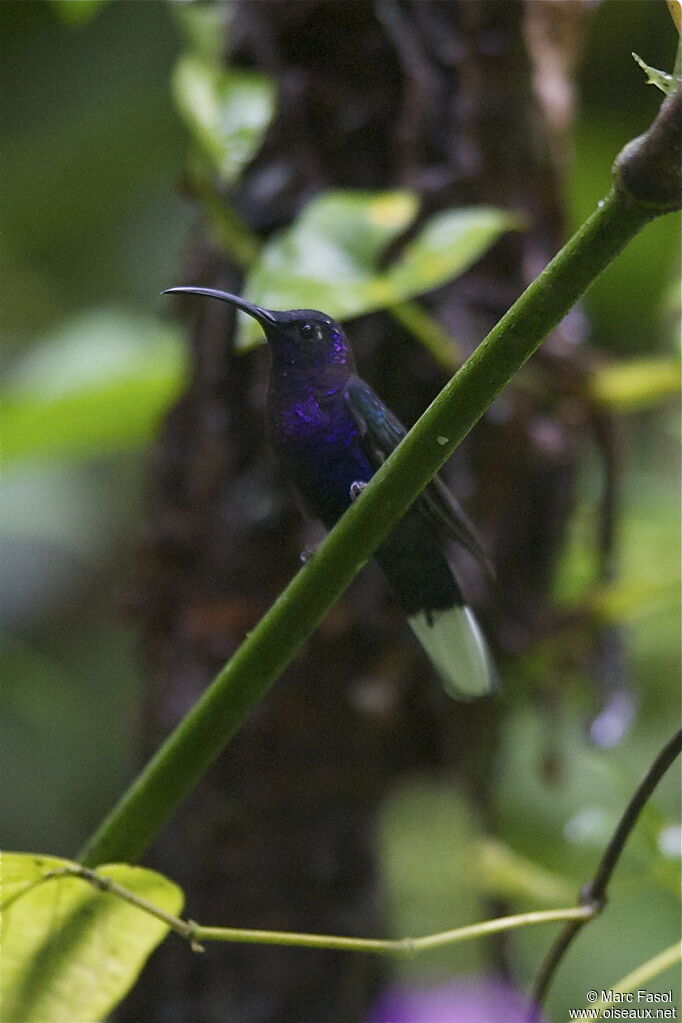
356, 225
327, 259
226, 111
97, 385
448, 244
330, 257
69, 951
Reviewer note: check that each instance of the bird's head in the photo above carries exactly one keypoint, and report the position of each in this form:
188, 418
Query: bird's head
301, 338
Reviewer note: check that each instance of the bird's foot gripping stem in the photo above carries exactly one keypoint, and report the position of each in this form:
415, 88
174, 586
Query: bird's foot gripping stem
356, 489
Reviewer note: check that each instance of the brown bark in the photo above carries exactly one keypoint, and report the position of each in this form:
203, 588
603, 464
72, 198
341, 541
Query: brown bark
450, 99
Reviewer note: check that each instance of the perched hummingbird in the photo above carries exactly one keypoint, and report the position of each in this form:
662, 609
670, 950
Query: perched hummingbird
330, 433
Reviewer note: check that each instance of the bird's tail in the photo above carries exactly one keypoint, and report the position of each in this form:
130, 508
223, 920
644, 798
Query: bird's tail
453, 640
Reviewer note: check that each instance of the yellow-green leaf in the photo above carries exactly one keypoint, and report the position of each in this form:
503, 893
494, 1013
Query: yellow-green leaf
70, 952
635, 384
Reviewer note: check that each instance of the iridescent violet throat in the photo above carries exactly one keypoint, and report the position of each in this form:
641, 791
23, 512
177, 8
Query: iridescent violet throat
330, 433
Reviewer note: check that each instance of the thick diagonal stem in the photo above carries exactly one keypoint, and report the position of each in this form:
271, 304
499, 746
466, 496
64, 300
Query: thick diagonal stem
208, 727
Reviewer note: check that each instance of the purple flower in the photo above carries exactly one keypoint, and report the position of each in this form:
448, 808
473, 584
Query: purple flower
468, 1000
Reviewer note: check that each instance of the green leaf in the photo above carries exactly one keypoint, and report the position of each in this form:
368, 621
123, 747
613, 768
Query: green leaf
204, 28
98, 385
449, 243
76, 12
661, 79
329, 258
69, 951
226, 111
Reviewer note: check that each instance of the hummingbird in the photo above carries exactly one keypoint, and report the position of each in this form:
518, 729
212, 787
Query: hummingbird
330, 433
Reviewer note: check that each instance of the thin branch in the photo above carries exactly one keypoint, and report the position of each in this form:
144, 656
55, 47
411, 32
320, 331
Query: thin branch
403, 947
596, 890
549, 966
399, 947
208, 727
594, 894
185, 928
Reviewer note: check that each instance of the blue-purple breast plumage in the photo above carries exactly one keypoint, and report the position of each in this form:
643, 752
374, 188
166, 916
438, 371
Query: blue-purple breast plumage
330, 432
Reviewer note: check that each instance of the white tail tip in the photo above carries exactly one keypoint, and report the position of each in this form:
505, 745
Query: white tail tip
453, 640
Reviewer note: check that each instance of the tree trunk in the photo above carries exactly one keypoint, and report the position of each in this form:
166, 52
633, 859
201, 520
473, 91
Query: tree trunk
465, 102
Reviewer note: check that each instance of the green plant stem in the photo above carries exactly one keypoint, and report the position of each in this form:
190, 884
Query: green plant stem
196, 933
400, 947
208, 727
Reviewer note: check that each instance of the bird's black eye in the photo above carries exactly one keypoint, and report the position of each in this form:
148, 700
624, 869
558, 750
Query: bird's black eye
306, 330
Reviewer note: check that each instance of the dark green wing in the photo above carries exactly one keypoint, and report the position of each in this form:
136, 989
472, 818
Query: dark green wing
381, 433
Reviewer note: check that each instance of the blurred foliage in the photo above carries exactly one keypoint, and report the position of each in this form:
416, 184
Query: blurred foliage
92, 159
97, 385
330, 258
427, 841
94, 228
615, 105
227, 112
94, 225
558, 796
76, 13
635, 384
70, 952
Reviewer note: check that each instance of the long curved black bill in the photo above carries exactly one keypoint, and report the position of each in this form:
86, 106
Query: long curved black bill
261, 315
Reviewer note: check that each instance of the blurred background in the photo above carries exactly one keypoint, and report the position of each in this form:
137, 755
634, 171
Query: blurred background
98, 219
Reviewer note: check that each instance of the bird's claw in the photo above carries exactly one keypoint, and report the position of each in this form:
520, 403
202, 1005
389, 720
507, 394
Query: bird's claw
307, 553
356, 489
